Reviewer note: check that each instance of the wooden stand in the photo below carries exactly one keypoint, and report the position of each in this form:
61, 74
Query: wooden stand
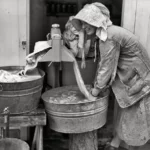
35, 118
83, 141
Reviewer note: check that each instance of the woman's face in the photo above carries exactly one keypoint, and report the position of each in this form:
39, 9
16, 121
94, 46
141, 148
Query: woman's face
89, 29
69, 35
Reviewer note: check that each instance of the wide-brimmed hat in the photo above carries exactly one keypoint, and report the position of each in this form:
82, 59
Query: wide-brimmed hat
103, 8
95, 14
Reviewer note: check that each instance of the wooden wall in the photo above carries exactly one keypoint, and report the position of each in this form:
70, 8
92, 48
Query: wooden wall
136, 18
13, 31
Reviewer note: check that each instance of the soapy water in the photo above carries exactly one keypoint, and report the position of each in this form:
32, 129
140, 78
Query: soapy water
71, 96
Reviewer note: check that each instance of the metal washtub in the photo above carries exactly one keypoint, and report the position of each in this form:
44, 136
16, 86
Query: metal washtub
20, 97
13, 144
77, 117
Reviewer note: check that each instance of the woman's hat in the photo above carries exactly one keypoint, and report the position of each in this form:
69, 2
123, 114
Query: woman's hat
95, 14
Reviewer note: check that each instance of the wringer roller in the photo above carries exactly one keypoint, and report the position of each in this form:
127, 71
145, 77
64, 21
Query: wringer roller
71, 109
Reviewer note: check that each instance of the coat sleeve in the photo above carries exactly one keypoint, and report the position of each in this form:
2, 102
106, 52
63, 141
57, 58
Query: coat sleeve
106, 72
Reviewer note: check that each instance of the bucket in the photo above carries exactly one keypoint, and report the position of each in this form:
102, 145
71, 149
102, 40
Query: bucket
20, 97
77, 115
13, 144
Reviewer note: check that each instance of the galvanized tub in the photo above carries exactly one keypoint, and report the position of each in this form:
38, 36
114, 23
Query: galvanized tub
20, 97
13, 144
78, 115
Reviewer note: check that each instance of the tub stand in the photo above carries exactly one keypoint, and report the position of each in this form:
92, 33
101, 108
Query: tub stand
35, 118
83, 141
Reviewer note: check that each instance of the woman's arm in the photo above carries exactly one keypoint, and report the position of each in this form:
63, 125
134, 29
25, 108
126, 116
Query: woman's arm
109, 53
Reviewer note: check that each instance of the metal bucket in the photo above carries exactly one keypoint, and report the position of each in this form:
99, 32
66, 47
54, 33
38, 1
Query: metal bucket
74, 117
20, 97
13, 144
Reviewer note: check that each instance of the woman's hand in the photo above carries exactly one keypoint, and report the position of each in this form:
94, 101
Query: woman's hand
95, 91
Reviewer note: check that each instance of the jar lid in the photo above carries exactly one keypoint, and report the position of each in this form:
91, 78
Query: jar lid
55, 25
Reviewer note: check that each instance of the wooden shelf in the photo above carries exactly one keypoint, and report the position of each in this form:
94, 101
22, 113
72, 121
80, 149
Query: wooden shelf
34, 118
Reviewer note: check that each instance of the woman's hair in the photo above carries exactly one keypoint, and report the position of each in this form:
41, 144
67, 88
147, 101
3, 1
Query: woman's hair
69, 32
69, 23
66, 38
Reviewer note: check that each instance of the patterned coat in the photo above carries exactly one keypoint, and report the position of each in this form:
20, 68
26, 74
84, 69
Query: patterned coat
125, 66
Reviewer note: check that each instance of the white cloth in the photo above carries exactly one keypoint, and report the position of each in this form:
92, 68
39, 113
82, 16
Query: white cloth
13, 76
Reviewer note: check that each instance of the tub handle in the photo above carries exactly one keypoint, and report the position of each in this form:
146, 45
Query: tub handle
1, 87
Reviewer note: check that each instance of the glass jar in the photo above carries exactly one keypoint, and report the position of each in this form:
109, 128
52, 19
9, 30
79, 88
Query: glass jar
55, 31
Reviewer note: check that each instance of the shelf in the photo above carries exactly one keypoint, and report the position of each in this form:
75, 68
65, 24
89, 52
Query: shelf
61, 8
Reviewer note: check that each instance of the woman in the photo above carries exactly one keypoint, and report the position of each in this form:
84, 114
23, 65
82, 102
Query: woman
124, 66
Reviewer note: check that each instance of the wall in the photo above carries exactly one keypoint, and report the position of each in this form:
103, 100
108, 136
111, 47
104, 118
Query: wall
13, 32
136, 18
